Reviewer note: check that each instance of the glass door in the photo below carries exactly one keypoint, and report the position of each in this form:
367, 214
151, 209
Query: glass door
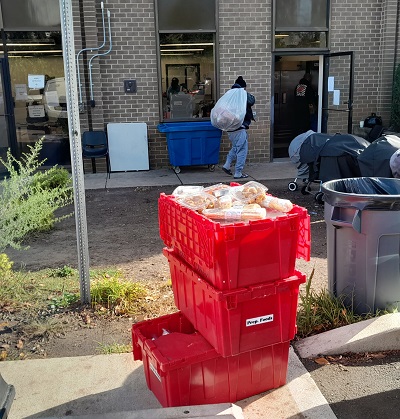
337, 98
7, 126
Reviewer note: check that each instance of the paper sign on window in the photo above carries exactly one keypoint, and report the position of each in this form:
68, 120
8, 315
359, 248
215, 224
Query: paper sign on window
331, 84
336, 97
36, 81
21, 92
36, 111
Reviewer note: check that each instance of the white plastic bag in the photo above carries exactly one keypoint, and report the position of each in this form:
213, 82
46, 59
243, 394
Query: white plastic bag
229, 111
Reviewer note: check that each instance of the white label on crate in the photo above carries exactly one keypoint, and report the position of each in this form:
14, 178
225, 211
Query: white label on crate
260, 320
153, 368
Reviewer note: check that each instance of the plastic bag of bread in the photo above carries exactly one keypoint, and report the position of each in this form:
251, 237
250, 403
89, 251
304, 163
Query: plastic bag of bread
198, 202
187, 190
249, 193
224, 202
218, 190
282, 205
236, 213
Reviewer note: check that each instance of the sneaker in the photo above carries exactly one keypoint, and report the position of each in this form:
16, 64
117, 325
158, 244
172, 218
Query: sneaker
227, 171
242, 176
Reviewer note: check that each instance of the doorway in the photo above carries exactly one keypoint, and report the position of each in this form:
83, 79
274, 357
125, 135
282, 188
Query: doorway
287, 73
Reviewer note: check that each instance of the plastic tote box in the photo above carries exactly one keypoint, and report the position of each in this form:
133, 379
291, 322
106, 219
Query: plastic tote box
183, 369
192, 143
235, 255
362, 216
239, 320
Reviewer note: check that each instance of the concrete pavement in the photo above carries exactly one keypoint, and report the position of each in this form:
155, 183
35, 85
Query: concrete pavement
105, 386
281, 169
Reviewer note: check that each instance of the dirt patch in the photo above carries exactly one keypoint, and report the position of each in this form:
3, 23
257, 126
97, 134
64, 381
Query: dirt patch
123, 232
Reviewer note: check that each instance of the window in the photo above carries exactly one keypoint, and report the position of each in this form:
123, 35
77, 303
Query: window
301, 24
186, 58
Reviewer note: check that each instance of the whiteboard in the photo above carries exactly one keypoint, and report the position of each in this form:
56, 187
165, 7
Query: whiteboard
128, 146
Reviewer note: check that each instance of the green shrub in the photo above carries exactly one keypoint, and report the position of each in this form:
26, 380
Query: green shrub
29, 197
55, 177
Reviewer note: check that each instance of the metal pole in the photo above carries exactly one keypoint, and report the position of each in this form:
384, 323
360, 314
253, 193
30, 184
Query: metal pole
75, 147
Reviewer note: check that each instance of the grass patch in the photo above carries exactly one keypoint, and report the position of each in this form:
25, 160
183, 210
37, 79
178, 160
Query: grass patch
60, 289
38, 290
320, 311
113, 348
113, 292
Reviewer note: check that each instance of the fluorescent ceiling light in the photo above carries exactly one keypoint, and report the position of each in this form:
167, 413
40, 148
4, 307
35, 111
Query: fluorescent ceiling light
182, 49
281, 36
188, 45
179, 53
28, 44
47, 51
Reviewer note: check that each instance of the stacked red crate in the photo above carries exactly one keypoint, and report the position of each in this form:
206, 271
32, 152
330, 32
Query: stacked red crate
239, 254
237, 289
183, 369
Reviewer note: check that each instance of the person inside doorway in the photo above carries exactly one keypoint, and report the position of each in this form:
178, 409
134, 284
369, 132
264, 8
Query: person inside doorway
304, 105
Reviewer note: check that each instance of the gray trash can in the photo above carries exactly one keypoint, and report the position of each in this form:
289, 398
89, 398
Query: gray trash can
362, 216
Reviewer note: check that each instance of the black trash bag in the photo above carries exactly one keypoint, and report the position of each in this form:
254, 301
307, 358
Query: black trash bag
333, 156
363, 193
374, 161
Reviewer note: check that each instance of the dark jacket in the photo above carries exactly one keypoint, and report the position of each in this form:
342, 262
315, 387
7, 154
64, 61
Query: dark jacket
249, 112
304, 93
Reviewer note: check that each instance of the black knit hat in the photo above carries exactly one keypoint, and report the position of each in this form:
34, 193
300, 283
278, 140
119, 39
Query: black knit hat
240, 81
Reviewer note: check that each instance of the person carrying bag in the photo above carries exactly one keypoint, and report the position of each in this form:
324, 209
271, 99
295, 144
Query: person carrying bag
233, 114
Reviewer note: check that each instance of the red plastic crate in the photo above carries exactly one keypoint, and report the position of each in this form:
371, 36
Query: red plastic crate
183, 369
239, 320
235, 255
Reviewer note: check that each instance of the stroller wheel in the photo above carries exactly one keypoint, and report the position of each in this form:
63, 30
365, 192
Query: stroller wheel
305, 190
319, 197
292, 186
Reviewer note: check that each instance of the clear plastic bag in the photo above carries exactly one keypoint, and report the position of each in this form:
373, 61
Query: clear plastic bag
198, 202
229, 111
236, 214
282, 205
249, 193
218, 190
187, 190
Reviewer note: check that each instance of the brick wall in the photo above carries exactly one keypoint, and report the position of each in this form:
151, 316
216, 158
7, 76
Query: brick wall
367, 28
246, 51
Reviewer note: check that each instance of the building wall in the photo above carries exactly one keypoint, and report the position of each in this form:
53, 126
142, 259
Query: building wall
367, 28
370, 30
246, 51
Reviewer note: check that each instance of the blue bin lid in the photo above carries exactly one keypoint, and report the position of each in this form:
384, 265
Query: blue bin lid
186, 126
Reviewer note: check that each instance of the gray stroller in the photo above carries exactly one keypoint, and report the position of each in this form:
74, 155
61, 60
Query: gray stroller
294, 154
329, 157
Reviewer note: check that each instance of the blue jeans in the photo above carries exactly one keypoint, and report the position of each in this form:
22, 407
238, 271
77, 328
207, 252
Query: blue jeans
238, 151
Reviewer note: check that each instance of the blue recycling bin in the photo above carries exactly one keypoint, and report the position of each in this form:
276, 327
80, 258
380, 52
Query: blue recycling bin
192, 144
